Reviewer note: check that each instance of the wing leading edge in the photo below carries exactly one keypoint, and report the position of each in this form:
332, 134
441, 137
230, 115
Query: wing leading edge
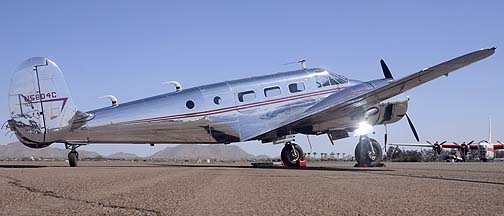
372, 94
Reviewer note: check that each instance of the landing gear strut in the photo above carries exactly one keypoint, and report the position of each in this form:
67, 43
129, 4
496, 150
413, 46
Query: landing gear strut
73, 155
368, 152
292, 155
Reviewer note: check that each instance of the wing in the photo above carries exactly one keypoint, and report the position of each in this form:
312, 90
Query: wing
474, 146
445, 145
498, 145
412, 144
342, 103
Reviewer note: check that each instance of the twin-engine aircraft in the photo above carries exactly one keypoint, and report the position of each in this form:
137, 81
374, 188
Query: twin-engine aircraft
269, 108
486, 149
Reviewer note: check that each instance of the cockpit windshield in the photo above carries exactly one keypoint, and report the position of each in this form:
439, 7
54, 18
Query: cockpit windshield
325, 78
339, 78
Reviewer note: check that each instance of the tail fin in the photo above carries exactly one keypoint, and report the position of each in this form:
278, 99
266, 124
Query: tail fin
41, 108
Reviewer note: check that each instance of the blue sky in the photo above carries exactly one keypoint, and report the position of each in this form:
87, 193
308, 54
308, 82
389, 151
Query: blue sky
126, 48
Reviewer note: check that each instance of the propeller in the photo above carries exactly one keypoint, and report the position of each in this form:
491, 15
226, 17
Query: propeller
500, 142
464, 149
386, 137
385, 69
472, 141
412, 127
437, 146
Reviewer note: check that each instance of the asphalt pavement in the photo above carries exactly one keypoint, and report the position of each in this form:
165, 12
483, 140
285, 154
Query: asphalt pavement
331, 188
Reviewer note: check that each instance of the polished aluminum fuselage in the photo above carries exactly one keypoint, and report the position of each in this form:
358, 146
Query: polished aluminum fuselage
166, 118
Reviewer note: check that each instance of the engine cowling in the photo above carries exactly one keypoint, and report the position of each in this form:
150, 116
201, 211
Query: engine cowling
437, 148
387, 112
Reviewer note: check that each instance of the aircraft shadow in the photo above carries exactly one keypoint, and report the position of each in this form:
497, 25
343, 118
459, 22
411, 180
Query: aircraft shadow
245, 167
21, 166
314, 168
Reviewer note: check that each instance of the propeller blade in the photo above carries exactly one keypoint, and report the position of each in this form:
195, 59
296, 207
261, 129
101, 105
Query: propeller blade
386, 137
500, 142
470, 142
412, 127
442, 142
385, 69
429, 142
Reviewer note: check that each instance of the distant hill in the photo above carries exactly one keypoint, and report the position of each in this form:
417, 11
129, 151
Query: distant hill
203, 152
17, 150
122, 155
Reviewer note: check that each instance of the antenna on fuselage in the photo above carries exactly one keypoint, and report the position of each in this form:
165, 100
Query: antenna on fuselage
177, 85
112, 99
302, 61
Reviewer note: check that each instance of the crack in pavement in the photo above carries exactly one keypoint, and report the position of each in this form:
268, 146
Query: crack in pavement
430, 177
18, 183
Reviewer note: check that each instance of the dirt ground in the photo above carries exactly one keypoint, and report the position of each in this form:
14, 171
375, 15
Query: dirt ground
336, 188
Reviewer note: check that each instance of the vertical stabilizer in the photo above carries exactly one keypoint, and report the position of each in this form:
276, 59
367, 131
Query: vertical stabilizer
40, 105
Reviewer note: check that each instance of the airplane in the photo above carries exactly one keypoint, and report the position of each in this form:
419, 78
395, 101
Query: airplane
486, 149
271, 108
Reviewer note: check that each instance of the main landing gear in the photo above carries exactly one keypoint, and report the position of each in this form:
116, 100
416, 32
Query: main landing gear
368, 152
73, 155
292, 155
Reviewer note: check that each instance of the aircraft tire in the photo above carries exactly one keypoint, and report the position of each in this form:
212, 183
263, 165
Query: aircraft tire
290, 157
363, 153
72, 158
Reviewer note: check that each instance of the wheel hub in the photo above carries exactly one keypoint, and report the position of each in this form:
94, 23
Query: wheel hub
294, 155
372, 155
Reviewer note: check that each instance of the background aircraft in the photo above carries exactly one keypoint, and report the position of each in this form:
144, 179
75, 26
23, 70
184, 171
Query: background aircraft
486, 149
269, 108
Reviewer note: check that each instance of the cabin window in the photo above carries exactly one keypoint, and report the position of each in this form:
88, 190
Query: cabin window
217, 100
296, 87
272, 91
189, 104
246, 96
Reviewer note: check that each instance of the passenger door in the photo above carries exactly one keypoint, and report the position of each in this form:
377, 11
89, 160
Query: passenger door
223, 122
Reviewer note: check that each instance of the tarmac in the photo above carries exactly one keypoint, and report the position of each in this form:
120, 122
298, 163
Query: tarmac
329, 188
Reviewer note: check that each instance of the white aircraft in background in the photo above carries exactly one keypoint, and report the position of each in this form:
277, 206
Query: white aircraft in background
486, 149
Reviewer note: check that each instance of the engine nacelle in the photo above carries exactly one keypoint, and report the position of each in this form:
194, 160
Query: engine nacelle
386, 112
437, 148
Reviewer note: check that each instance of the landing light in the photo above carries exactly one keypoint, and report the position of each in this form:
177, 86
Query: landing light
363, 129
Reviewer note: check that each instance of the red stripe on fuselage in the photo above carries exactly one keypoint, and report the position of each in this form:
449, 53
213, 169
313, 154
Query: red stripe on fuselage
232, 108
